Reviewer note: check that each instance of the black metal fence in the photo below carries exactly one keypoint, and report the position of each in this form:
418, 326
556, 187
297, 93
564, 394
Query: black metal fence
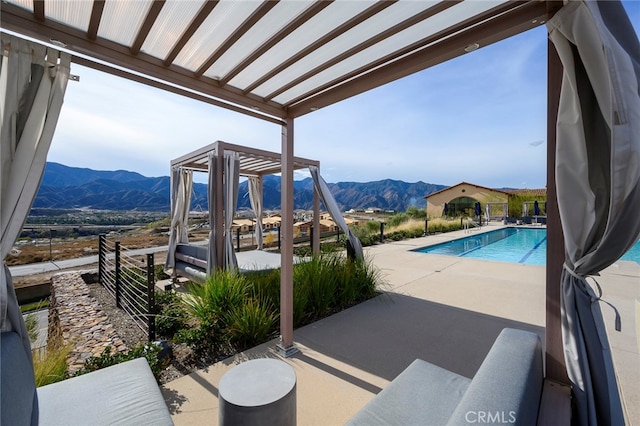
130, 281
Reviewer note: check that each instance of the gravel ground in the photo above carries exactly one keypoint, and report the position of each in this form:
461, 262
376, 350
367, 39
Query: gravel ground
183, 361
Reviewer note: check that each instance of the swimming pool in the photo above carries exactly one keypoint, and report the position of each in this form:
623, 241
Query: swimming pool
517, 245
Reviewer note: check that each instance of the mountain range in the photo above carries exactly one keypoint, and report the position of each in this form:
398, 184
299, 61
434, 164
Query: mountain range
72, 187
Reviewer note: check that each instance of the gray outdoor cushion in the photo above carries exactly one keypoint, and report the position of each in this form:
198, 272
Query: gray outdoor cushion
508, 386
18, 402
422, 394
125, 393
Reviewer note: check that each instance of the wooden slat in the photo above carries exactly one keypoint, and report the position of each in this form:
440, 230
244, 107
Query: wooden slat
200, 17
38, 10
94, 21
248, 23
439, 7
312, 11
521, 19
341, 29
19, 20
152, 15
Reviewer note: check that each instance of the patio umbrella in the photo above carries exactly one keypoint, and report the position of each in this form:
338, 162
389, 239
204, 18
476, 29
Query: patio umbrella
477, 209
446, 209
536, 208
598, 129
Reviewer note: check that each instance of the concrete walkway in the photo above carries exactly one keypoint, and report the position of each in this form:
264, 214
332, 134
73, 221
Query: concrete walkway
445, 310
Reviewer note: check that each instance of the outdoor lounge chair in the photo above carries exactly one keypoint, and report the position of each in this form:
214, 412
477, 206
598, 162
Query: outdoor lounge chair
125, 393
508, 388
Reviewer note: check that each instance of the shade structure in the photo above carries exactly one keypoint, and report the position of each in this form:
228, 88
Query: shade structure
33, 81
477, 209
598, 128
536, 208
269, 59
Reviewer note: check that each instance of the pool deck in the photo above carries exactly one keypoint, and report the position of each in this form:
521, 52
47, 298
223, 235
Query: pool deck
445, 310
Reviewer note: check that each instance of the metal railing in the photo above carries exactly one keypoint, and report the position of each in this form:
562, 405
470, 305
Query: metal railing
470, 226
130, 281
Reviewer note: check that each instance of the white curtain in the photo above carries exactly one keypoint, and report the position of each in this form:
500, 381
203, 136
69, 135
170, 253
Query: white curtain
333, 209
212, 262
231, 178
255, 197
33, 80
598, 185
181, 188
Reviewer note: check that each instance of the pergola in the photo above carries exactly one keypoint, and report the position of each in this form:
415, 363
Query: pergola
225, 163
279, 60
252, 163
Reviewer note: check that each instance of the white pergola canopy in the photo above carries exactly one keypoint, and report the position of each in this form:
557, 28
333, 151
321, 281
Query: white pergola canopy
278, 60
272, 59
253, 161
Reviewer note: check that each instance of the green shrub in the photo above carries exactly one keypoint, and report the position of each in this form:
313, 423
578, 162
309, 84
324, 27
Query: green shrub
372, 226
367, 237
316, 275
171, 315
251, 323
106, 359
243, 310
443, 225
210, 304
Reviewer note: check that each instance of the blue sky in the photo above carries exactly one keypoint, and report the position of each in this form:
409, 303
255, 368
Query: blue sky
479, 118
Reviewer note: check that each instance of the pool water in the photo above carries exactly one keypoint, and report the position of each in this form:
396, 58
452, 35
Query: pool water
517, 245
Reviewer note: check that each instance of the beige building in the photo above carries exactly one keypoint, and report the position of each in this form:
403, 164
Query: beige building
460, 199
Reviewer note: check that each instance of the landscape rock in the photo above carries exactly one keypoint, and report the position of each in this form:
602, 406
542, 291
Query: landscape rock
77, 318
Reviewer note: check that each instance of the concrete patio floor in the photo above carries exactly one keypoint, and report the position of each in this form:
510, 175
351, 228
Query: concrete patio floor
444, 310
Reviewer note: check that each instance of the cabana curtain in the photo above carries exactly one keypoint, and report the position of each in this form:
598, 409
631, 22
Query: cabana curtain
211, 252
255, 197
33, 80
181, 187
598, 185
332, 206
231, 179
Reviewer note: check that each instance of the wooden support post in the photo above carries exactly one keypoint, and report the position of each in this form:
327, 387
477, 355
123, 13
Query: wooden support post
286, 347
554, 357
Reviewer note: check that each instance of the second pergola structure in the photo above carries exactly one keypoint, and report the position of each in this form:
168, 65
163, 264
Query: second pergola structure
225, 163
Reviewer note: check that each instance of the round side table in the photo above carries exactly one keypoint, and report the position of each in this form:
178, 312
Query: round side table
258, 392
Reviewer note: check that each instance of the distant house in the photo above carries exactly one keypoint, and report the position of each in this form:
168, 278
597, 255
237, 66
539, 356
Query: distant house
372, 210
245, 225
460, 199
304, 227
271, 222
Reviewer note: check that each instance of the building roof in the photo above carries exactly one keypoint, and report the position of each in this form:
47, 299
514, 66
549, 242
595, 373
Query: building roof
540, 192
272, 59
466, 183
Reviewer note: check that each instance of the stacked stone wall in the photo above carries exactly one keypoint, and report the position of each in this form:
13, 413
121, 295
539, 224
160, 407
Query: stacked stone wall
76, 318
